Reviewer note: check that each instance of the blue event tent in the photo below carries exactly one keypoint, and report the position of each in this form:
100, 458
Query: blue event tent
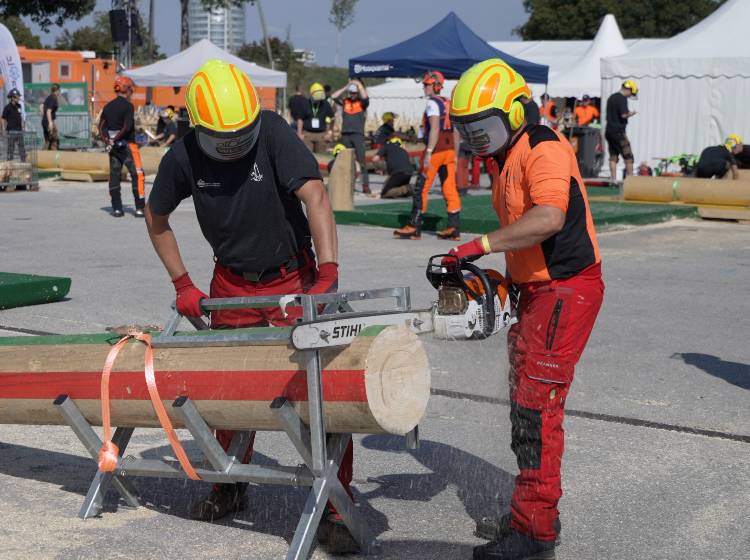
449, 46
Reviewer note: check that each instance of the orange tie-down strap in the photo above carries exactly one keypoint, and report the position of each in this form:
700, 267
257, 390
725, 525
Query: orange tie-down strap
109, 452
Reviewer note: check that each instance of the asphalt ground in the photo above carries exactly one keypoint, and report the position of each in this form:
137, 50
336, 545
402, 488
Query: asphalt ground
658, 430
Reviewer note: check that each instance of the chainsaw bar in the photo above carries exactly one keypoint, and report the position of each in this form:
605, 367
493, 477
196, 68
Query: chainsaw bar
340, 330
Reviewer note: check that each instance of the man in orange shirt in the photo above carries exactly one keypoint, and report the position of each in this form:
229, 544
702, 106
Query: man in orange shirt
586, 112
552, 256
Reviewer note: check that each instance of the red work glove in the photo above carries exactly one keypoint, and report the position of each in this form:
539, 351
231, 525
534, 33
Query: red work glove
469, 251
188, 297
328, 279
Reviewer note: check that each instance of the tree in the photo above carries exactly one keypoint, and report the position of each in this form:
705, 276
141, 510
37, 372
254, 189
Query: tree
341, 16
98, 38
45, 12
580, 19
21, 32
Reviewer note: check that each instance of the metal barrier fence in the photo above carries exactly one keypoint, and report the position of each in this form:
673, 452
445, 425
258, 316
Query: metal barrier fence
18, 166
73, 129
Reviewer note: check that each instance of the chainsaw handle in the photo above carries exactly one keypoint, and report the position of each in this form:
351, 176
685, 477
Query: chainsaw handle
488, 299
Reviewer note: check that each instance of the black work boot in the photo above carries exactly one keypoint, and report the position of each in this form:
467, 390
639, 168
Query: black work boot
335, 535
515, 546
222, 500
494, 528
412, 230
453, 231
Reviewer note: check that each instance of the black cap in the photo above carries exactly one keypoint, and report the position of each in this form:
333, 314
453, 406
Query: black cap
585, 97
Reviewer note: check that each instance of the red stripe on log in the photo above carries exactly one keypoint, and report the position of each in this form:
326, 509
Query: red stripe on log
338, 385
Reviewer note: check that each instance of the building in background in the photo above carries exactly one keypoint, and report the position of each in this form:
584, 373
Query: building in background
305, 57
224, 27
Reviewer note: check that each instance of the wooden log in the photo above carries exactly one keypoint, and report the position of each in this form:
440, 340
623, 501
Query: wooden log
341, 181
689, 190
92, 162
378, 384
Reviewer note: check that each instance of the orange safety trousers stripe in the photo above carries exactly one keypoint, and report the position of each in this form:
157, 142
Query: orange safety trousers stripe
450, 192
136, 155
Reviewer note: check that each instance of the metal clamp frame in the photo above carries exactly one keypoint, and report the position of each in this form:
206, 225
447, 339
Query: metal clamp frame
321, 453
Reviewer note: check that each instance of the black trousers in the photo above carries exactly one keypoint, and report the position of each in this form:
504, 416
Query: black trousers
15, 138
717, 169
357, 142
398, 179
122, 155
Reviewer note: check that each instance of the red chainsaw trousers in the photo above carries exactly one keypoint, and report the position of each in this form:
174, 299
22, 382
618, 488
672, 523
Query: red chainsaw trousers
555, 321
226, 284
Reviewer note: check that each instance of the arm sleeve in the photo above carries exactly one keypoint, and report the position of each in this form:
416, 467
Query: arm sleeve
432, 109
170, 185
623, 107
365, 103
548, 173
381, 151
293, 163
6, 111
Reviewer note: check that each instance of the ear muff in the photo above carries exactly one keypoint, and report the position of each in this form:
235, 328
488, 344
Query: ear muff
516, 114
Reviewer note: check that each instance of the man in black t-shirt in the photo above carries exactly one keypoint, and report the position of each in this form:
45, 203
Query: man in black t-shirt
297, 107
716, 161
13, 124
317, 120
117, 130
398, 166
249, 176
618, 114
49, 116
166, 129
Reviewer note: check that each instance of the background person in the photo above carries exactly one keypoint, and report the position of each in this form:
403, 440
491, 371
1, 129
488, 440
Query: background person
117, 129
586, 112
717, 161
49, 118
440, 154
166, 128
548, 111
297, 107
618, 114
318, 121
398, 166
249, 177
551, 251
13, 125
385, 131
354, 114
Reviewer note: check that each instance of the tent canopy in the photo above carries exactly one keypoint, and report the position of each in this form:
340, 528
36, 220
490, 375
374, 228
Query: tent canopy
449, 46
179, 68
583, 76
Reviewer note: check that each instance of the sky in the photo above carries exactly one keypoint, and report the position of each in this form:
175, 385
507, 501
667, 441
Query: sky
377, 23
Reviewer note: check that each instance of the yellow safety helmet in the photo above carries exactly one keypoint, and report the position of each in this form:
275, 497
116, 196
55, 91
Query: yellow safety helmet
224, 108
317, 92
389, 116
485, 105
732, 141
337, 149
632, 86
396, 140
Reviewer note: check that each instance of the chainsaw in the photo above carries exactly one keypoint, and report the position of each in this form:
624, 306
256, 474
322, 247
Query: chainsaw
472, 303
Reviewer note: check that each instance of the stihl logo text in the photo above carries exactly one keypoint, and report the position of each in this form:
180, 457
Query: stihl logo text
345, 331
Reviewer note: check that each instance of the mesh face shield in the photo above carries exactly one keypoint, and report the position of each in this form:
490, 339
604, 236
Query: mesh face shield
228, 146
485, 134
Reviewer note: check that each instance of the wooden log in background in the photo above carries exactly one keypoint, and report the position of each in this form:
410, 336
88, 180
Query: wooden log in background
378, 384
689, 190
94, 161
341, 181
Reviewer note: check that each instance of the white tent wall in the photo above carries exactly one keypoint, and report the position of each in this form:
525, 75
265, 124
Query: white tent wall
692, 88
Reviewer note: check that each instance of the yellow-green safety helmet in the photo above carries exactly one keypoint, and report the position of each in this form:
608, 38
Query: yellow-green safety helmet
389, 116
485, 105
224, 107
317, 92
732, 141
337, 149
632, 86
396, 140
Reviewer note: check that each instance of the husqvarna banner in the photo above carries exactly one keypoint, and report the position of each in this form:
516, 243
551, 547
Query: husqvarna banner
10, 64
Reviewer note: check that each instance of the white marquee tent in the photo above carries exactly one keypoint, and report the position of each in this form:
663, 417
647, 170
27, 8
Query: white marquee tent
179, 68
692, 88
404, 95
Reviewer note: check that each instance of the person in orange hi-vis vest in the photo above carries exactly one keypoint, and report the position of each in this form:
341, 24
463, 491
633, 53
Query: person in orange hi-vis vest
554, 266
440, 151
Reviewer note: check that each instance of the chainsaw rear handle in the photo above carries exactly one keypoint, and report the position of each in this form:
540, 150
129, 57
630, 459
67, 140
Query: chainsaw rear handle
487, 300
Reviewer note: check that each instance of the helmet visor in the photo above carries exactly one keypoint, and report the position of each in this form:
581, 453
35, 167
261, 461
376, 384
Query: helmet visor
485, 136
228, 146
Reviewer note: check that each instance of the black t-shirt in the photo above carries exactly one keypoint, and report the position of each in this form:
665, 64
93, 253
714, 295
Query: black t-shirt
396, 159
50, 103
714, 161
247, 210
383, 133
12, 116
617, 106
743, 158
531, 112
298, 106
117, 118
170, 128
319, 110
